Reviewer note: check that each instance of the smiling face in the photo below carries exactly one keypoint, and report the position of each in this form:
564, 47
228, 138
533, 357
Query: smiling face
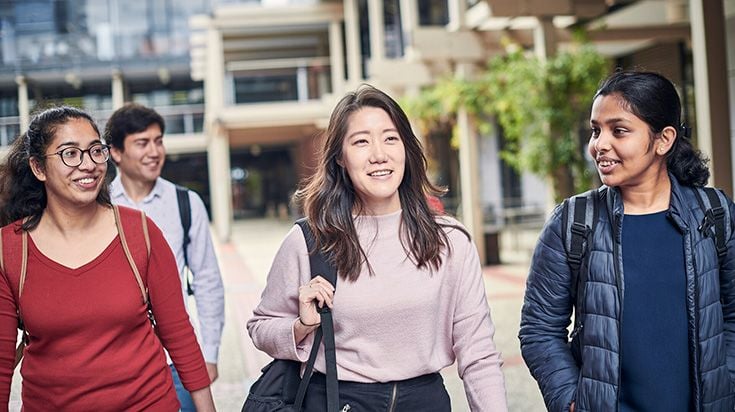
77, 186
374, 158
143, 157
622, 147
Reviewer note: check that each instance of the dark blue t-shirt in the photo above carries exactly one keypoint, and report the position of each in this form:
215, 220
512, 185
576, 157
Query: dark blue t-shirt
655, 350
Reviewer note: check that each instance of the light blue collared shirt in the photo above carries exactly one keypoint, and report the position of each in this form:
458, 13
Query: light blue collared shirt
162, 206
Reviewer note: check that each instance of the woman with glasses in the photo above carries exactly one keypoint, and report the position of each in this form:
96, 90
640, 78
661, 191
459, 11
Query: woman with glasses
89, 343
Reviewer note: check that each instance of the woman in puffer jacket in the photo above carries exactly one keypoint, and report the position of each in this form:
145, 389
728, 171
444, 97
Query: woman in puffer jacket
656, 314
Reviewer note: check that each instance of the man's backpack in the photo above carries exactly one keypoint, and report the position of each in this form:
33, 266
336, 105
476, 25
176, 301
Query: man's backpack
136, 246
579, 217
182, 196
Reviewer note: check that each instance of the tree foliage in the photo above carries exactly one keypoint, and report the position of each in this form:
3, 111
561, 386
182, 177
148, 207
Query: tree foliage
541, 106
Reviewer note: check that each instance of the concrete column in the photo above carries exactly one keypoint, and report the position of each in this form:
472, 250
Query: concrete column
336, 58
220, 185
118, 90
544, 38
457, 12
24, 117
545, 46
710, 80
352, 34
302, 83
218, 145
409, 23
469, 171
377, 32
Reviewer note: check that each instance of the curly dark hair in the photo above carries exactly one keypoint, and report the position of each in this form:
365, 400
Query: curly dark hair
22, 195
329, 199
653, 98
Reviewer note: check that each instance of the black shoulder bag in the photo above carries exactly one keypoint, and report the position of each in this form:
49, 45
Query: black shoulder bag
280, 387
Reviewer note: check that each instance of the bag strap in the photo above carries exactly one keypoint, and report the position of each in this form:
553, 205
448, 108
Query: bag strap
577, 238
21, 282
130, 233
182, 196
320, 267
715, 216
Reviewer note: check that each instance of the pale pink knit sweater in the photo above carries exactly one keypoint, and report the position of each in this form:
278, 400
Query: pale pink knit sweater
398, 324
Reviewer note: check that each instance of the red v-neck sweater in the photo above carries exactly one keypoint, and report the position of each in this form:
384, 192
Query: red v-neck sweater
91, 344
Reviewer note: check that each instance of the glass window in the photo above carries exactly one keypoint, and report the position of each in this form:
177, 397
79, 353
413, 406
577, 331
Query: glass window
267, 88
433, 13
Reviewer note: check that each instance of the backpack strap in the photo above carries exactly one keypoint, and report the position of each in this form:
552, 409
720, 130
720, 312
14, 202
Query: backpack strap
21, 280
715, 216
136, 244
320, 266
182, 196
583, 212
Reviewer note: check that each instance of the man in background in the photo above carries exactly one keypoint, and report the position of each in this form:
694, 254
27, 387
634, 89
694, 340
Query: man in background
135, 133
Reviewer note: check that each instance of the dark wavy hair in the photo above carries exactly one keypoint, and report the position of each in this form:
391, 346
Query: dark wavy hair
329, 199
653, 98
21, 194
129, 119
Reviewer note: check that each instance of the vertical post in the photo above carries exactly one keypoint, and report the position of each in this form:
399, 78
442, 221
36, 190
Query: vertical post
302, 83
409, 24
457, 12
544, 38
23, 104
336, 58
118, 90
545, 46
469, 171
710, 74
352, 34
218, 145
377, 33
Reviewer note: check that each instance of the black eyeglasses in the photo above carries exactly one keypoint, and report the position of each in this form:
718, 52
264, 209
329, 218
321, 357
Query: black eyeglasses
74, 156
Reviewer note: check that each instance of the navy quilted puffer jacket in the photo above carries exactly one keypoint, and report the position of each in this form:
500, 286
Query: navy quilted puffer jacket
593, 381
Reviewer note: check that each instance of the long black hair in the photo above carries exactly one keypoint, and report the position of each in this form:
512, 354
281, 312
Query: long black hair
329, 198
21, 193
653, 98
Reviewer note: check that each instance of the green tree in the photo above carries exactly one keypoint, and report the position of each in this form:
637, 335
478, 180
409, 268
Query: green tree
541, 105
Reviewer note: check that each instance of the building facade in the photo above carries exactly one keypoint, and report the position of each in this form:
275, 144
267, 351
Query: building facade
247, 87
272, 71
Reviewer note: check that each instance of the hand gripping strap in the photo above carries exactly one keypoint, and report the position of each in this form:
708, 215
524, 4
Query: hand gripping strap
320, 266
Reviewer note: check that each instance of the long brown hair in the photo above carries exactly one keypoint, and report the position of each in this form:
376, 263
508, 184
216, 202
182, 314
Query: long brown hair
328, 198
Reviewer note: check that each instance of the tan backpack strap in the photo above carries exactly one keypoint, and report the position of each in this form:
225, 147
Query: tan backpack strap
128, 255
2, 262
145, 233
23, 264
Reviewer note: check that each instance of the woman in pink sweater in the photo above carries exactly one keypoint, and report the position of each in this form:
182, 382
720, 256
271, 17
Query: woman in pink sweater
410, 299
90, 345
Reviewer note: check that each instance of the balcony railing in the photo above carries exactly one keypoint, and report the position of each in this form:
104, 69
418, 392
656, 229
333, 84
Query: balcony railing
179, 120
278, 80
